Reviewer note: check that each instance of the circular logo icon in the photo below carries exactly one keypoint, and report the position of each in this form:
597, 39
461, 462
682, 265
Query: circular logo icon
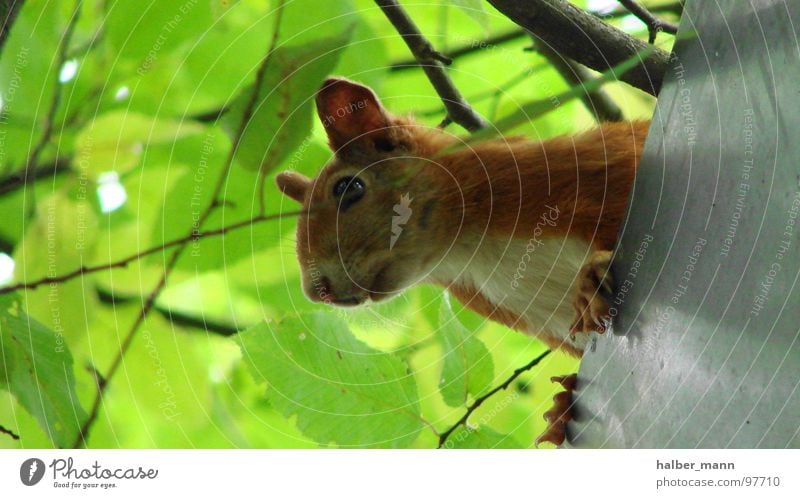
31, 471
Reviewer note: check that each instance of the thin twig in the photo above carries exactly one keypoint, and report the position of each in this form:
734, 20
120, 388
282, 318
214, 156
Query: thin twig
468, 48
500, 90
432, 62
178, 318
17, 180
122, 263
82, 435
10, 433
479, 401
597, 102
47, 126
653, 23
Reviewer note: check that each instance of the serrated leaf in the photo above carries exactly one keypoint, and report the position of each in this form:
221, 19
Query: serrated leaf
114, 141
482, 437
341, 390
282, 114
467, 365
39, 372
475, 10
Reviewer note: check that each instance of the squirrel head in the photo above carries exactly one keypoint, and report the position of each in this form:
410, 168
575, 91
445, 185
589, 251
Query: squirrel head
370, 213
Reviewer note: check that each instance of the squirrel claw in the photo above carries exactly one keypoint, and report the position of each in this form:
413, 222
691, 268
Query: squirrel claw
595, 286
561, 413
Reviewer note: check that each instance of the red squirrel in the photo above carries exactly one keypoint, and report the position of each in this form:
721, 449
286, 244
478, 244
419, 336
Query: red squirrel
520, 231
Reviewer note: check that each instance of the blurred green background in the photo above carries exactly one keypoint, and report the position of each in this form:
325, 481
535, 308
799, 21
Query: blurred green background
131, 154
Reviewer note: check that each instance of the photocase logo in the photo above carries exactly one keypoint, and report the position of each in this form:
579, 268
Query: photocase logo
31, 471
403, 213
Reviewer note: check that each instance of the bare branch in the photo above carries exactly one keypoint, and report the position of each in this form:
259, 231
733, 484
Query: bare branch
47, 126
147, 306
586, 39
654, 24
597, 102
122, 263
9, 432
16, 180
479, 401
178, 318
494, 41
432, 62
465, 49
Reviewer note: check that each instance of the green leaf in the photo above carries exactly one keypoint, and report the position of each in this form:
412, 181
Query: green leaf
532, 110
28, 74
475, 10
146, 31
282, 116
39, 372
468, 367
341, 390
115, 140
482, 437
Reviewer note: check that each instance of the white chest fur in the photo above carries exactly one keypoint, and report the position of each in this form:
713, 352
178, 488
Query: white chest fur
532, 278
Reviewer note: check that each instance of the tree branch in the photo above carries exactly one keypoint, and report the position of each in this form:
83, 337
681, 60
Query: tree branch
597, 102
178, 318
16, 180
586, 39
458, 110
468, 48
80, 439
654, 24
479, 401
47, 126
122, 263
9, 432
494, 41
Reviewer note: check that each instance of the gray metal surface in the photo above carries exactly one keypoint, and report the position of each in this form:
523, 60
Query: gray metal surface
705, 346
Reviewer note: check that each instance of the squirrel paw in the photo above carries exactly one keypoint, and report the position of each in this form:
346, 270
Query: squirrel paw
561, 412
595, 287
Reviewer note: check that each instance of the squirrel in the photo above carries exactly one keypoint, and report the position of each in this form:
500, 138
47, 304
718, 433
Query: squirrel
520, 231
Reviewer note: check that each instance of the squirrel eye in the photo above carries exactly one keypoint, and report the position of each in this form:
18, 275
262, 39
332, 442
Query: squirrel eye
349, 189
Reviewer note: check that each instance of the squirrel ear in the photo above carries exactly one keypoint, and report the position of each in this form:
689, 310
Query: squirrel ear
353, 117
294, 185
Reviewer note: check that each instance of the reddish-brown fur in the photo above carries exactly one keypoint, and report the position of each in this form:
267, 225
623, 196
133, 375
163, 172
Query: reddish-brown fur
587, 176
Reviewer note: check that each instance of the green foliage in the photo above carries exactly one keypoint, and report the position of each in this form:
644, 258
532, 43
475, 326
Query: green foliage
341, 390
114, 141
37, 369
158, 95
282, 117
468, 367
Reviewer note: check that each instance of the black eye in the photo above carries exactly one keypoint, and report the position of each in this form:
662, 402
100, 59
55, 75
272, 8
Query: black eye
349, 190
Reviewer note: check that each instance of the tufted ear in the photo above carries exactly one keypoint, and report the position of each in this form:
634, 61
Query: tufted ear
354, 119
293, 185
